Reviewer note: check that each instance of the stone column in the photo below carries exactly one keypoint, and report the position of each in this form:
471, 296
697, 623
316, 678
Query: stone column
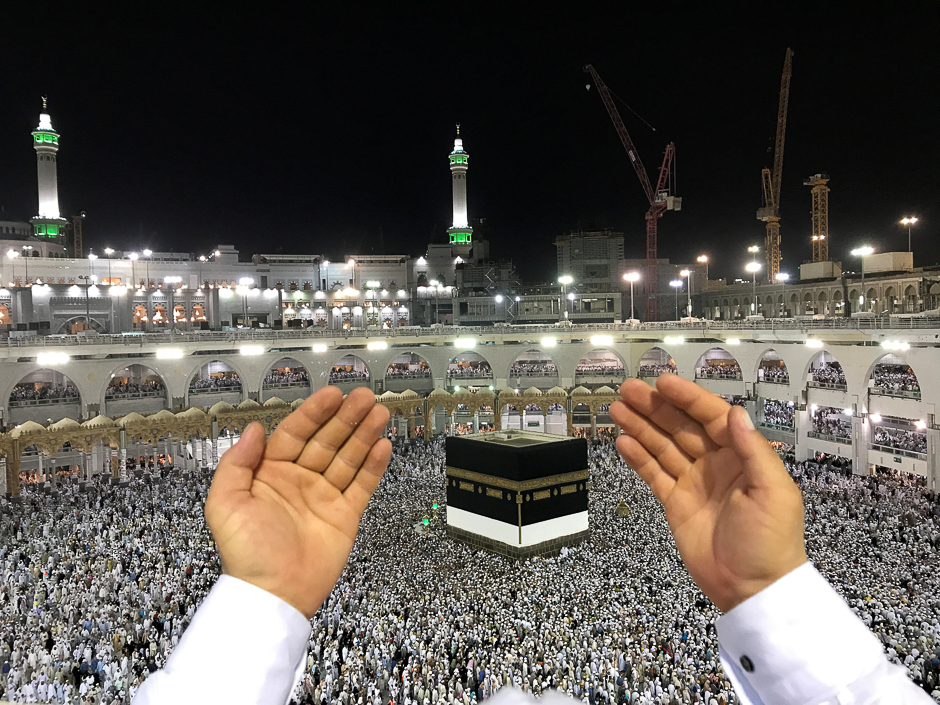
13, 471
89, 465
476, 421
593, 423
39, 468
545, 420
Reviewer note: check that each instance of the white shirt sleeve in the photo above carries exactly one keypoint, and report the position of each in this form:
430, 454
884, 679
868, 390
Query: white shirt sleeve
245, 646
797, 642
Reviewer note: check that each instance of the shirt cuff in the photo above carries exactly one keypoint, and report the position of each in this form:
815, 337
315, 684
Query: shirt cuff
244, 646
797, 641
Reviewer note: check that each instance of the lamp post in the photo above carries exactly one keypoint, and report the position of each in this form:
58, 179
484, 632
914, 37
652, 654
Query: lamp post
91, 264
244, 283
12, 254
88, 279
908, 221
782, 278
564, 280
863, 252
133, 258
688, 275
29, 253
676, 284
753, 267
108, 251
149, 255
373, 285
631, 277
171, 285
703, 259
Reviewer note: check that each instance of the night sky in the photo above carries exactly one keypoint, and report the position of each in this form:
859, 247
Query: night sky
305, 129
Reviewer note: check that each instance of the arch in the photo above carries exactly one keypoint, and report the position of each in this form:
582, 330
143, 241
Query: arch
214, 376
5, 319
66, 326
468, 365
42, 394
771, 368
179, 314
408, 365
350, 369
600, 366
140, 315
823, 370
198, 313
287, 372
135, 381
893, 376
534, 364
656, 361
717, 363
160, 316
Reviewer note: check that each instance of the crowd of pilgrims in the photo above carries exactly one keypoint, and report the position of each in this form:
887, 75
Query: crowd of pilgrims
896, 378
647, 370
128, 388
408, 371
532, 369
98, 586
900, 439
828, 373
342, 374
31, 391
229, 380
287, 376
613, 367
778, 413
826, 422
719, 371
775, 374
470, 369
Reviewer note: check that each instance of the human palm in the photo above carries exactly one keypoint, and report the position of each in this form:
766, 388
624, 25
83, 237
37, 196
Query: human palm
736, 515
285, 512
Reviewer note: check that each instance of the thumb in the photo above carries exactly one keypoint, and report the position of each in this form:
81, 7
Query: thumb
236, 468
758, 457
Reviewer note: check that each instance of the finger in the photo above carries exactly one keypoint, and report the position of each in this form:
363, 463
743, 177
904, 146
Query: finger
344, 466
687, 432
320, 450
292, 434
236, 468
657, 443
646, 466
709, 410
762, 466
367, 479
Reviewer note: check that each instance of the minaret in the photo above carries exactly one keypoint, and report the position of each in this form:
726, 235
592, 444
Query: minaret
460, 233
49, 223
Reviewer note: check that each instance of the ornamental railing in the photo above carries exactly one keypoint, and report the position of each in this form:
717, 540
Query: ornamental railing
829, 437
901, 393
898, 451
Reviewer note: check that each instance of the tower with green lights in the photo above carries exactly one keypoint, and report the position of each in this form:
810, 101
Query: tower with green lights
49, 224
460, 233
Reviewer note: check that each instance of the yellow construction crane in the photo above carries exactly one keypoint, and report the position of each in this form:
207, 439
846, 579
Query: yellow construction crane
820, 215
770, 212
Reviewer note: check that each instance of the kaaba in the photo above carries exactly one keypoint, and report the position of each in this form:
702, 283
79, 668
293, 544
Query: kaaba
517, 493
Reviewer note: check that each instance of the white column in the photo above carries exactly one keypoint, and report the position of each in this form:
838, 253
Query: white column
476, 421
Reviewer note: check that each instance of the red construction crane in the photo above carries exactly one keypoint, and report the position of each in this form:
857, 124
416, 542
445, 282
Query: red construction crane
661, 199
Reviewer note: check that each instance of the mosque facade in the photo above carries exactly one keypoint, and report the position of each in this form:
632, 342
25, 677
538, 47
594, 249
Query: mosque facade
837, 364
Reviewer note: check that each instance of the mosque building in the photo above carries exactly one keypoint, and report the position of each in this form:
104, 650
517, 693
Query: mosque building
451, 340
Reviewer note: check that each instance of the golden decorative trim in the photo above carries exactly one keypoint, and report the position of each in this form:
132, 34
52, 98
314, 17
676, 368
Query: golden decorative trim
569, 489
515, 486
542, 494
467, 486
490, 492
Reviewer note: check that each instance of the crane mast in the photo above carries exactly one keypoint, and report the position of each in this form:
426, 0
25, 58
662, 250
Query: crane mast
770, 180
660, 198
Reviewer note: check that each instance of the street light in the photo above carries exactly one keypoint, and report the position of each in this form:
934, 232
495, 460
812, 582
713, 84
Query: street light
244, 283
149, 255
703, 259
908, 221
91, 263
29, 250
133, 258
564, 280
687, 273
12, 254
753, 268
631, 277
862, 252
782, 277
676, 284
108, 251
88, 279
